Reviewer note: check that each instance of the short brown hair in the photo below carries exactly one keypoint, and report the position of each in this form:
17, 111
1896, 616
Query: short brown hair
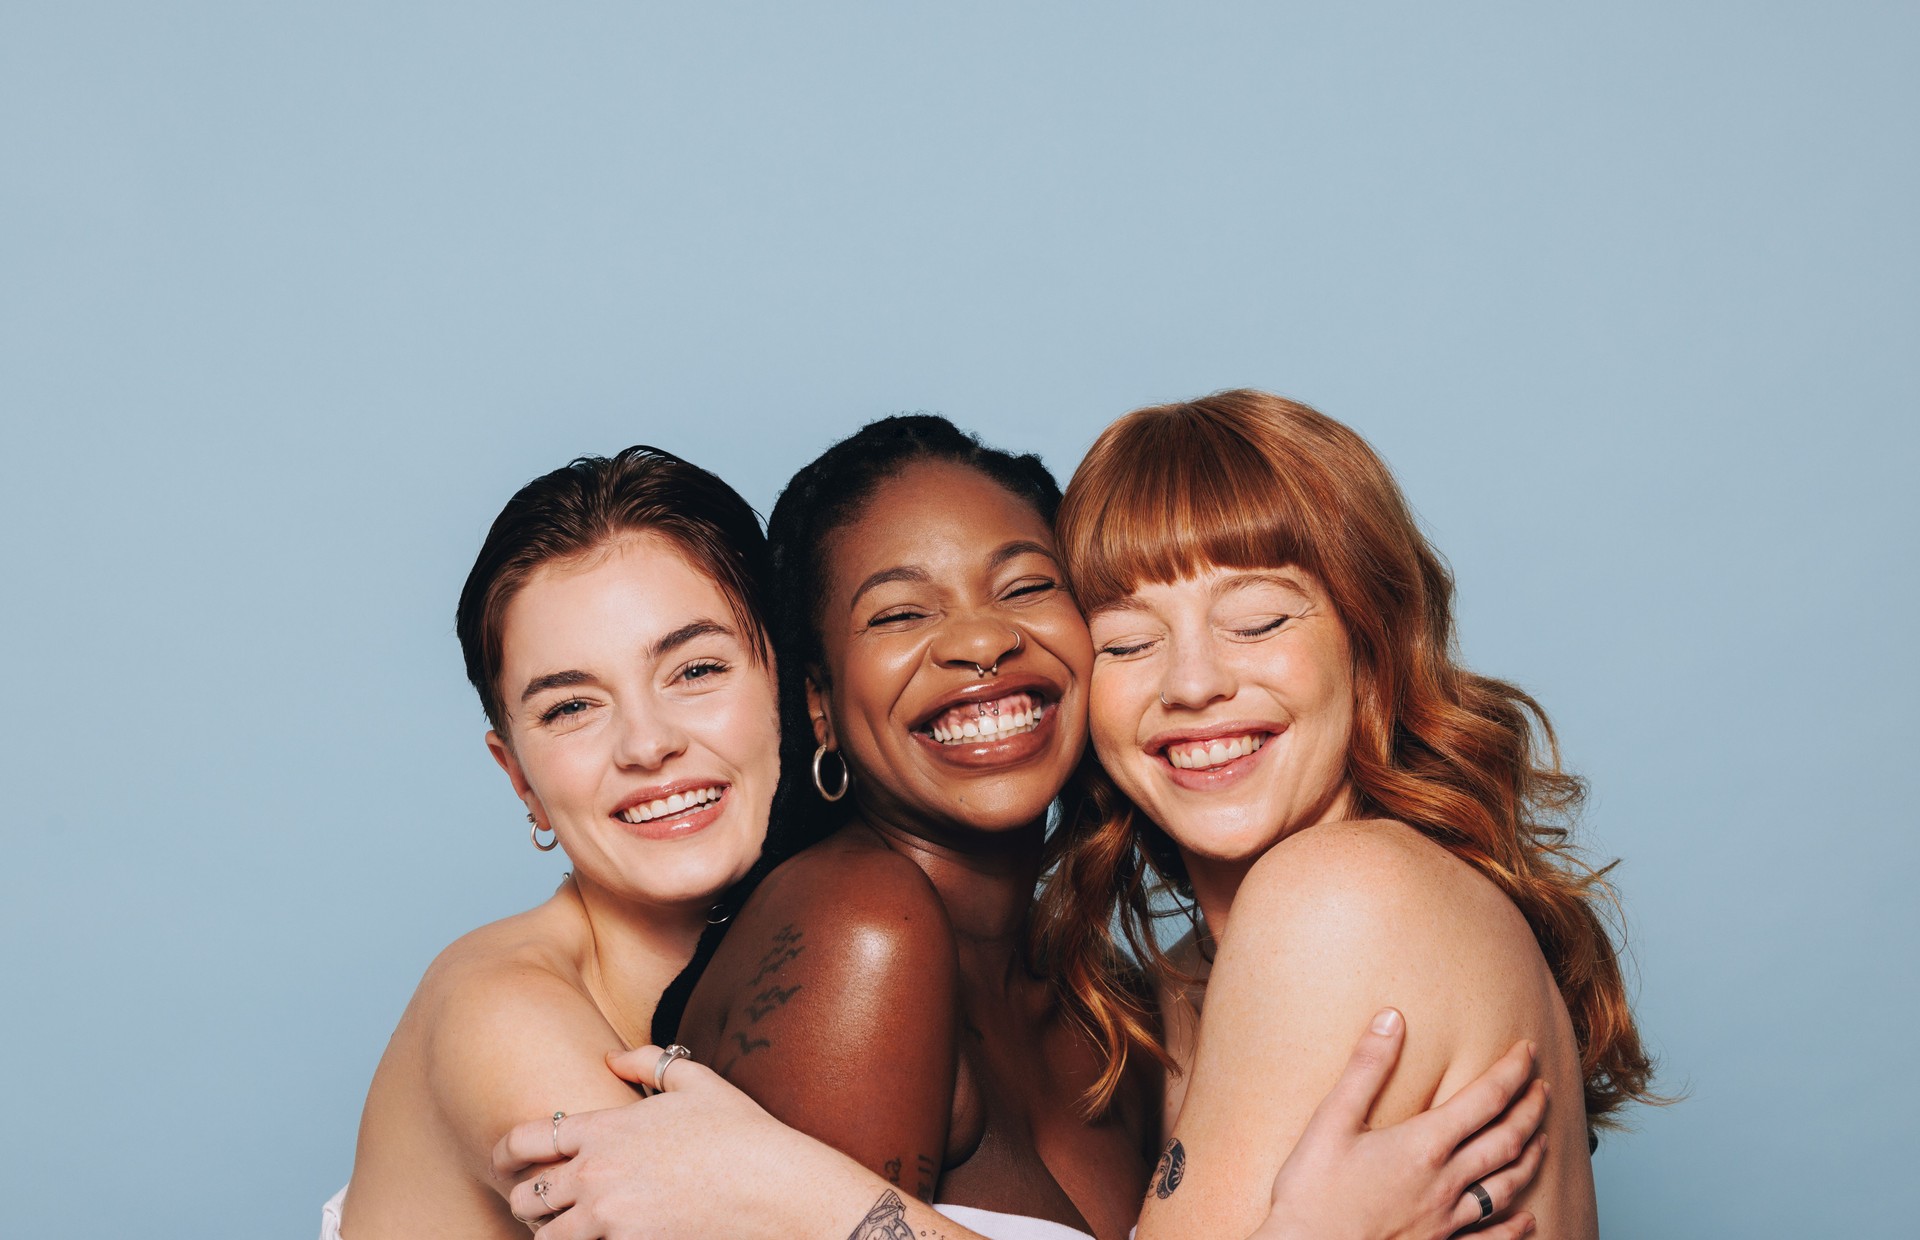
590, 502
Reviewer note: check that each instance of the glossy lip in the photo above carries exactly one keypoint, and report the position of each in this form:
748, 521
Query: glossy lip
674, 826
991, 754
1217, 777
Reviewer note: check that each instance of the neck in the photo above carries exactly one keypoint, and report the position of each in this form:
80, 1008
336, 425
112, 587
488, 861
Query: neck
630, 954
1216, 881
985, 879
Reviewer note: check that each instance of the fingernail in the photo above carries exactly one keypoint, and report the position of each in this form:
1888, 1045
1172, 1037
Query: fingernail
1386, 1020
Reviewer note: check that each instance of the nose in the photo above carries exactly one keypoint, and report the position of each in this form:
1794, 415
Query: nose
648, 735
979, 644
1196, 676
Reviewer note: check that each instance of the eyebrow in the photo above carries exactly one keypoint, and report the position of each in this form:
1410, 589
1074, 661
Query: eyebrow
1243, 581
1238, 581
664, 646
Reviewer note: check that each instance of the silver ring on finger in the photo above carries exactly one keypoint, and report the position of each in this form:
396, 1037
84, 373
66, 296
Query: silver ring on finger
1486, 1200
557, 1117
540, 1187
676, 1051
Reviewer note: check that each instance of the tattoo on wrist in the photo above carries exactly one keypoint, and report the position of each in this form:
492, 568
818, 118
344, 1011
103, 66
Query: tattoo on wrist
886, 1221
1171, 1169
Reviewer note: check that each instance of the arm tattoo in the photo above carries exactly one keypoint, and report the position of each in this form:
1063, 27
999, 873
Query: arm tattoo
1171, 1170
786, 947
923, 1165
886, 1221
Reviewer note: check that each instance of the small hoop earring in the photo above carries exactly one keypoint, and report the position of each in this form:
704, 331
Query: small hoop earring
551, 844
846, 774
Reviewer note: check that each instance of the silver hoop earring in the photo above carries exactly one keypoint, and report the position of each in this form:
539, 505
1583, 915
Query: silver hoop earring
846, 774
551, 844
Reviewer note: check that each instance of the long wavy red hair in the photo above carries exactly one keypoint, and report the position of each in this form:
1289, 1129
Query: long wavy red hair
1243, 479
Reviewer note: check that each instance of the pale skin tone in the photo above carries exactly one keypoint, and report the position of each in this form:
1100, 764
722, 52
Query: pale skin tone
1222, 705
625, 681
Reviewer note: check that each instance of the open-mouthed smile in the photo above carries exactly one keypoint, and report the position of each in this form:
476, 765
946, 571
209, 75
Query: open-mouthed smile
678, 809
1011, 725
1212, 757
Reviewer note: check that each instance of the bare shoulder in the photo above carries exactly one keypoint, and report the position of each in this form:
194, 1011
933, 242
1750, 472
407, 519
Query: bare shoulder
856, 902
501, 998
1369, 881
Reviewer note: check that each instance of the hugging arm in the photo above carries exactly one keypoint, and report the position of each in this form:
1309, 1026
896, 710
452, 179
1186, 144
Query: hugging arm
735, 1171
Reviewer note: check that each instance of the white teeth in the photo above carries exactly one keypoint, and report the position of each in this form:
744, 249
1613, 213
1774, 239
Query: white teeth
1203, 755
677, 803
1004, 718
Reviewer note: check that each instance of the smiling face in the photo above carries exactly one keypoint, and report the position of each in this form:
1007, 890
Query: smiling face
944, 577
1223, 706
639, 726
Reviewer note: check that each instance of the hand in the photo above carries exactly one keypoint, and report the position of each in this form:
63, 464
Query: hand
1409, 1181
699, 1158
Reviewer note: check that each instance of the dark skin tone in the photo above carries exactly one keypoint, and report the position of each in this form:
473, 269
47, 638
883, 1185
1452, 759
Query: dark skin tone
874, 991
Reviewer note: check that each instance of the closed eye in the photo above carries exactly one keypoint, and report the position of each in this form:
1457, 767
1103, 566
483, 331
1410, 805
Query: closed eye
1033, 588
1121, 650
1262, 629
898, 616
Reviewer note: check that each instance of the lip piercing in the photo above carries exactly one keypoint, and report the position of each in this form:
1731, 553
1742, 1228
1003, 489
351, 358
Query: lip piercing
1019, 641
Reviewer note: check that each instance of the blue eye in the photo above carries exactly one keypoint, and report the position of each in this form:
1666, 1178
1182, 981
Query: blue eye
562, 710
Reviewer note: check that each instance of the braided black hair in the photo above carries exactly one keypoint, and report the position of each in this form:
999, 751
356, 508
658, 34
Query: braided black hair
828, 494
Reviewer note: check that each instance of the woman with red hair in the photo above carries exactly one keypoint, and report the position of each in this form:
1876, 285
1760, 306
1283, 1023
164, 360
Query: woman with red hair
1290, 742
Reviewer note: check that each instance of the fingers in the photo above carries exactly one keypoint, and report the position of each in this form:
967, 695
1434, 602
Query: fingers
539, 1196
639, 1065
1485, 1097
1367, 1070
535, 1142
1502, 1143
1502, 1187
1513, 1228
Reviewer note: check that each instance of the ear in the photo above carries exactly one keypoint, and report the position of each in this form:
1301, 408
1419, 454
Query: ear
817, 711
503, 754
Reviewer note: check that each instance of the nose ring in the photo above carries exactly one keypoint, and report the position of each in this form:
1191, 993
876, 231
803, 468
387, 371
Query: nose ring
1164, 702
1019, 641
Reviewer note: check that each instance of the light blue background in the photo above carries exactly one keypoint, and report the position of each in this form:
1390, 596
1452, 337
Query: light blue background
292, 296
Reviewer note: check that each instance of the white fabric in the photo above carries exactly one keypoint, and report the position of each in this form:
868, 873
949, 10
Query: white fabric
997, 1226
330, 1216
989, 1223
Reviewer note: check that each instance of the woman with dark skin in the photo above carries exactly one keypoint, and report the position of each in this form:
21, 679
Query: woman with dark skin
945, 669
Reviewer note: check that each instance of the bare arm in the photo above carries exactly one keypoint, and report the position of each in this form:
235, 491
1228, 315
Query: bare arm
492, 1042
737, 1172
1329, 927
842, 1021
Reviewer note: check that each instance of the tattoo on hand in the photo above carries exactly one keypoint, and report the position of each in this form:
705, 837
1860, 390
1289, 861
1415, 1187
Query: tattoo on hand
886, 1221
1171, 1170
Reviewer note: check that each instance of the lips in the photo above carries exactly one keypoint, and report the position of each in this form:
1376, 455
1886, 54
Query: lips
992, 724
982, 722
1214, 756
1203, 755
672, 809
